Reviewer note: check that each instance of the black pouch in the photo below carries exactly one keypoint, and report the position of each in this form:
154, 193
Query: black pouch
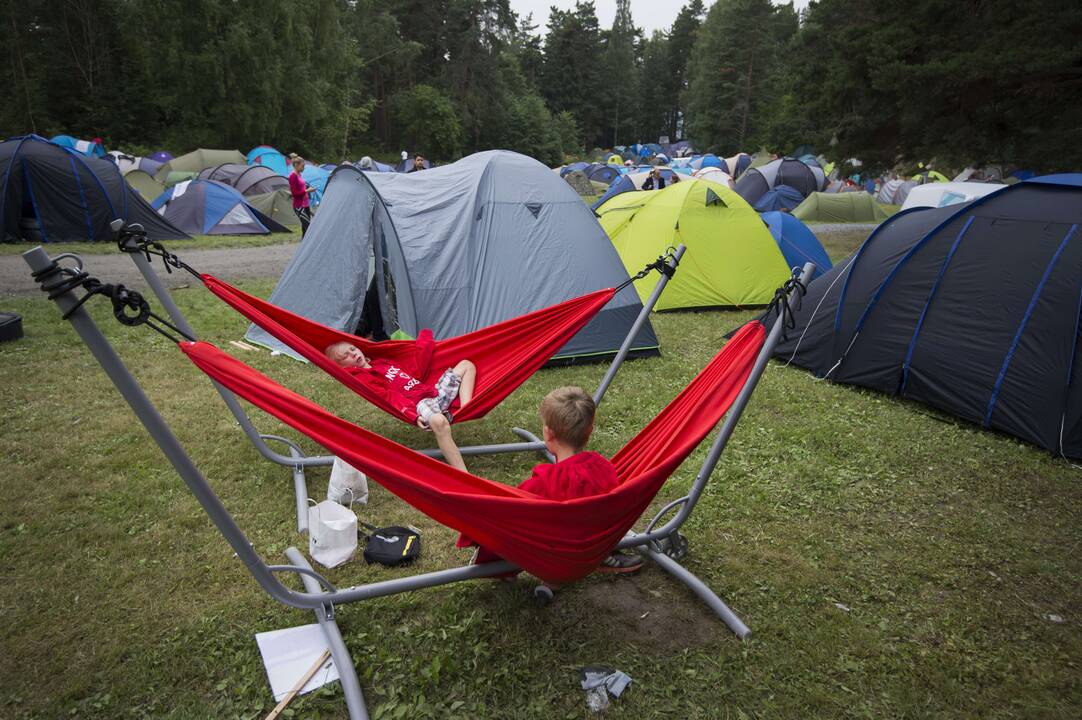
392, 545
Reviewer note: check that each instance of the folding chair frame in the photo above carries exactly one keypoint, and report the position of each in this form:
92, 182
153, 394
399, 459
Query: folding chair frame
663, 544
297, 461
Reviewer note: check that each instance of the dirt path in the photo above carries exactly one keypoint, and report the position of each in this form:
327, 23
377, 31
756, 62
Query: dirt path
226, 263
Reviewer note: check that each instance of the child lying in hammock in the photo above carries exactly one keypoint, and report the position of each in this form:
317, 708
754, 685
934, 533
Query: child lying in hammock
567, 414
429, 406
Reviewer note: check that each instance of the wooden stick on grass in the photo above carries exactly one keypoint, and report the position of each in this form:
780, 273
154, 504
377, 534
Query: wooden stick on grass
300, 685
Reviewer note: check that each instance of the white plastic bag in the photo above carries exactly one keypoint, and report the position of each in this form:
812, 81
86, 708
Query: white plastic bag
347, 484
332, 533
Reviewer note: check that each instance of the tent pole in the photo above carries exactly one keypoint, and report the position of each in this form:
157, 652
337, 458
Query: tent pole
647, 308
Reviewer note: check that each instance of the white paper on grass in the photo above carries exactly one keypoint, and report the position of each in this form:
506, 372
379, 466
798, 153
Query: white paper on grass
289, 653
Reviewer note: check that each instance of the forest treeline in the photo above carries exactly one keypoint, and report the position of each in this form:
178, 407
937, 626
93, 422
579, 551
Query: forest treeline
959, 81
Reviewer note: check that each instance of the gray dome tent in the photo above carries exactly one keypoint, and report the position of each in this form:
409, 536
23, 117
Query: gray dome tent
456, 248
757, 181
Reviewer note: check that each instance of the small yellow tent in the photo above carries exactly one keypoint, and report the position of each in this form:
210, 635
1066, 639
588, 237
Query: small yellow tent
732, 259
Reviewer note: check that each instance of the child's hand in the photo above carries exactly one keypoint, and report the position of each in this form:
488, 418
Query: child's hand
422, 424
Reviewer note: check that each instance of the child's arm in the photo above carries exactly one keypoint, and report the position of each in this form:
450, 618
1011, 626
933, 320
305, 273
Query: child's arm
424, 348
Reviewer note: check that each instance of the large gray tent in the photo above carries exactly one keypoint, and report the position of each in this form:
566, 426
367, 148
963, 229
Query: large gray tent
456, 248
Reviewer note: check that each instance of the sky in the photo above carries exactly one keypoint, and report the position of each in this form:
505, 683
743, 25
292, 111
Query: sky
648, 14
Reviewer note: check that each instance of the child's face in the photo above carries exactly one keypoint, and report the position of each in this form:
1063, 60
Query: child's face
348, 355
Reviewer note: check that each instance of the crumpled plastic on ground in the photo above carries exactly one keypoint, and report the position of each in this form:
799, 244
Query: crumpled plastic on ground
599, 682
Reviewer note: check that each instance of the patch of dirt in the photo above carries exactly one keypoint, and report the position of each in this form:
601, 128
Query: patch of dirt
653, 611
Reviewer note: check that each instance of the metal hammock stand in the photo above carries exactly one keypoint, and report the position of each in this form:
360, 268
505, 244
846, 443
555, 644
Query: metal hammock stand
659, 541
132, 242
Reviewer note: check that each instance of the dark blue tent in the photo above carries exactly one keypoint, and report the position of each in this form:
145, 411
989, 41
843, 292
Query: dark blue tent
208, 207
797, 243
737, 164
51, 193
573, 167
602, 172
972, 308
782, 197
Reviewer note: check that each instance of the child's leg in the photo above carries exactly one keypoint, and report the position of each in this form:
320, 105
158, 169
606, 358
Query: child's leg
441, 428
467, 371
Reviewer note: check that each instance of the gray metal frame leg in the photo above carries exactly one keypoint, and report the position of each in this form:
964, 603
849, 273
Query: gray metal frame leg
700, 588
347, 671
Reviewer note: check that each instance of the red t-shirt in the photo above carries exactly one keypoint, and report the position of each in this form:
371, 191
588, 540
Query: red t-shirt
299, 190
401, 384
581, 475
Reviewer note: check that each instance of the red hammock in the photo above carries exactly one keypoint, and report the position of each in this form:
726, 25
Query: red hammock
506, 354
558, 541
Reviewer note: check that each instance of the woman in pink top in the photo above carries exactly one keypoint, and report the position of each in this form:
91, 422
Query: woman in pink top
300, 192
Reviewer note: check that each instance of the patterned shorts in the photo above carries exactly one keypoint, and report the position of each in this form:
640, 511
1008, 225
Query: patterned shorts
446, 392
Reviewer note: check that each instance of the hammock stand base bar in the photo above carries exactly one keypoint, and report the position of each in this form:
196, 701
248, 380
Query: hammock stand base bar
319, 595
297, 461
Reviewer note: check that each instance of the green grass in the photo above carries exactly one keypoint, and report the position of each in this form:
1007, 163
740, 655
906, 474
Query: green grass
892, 563
202, 242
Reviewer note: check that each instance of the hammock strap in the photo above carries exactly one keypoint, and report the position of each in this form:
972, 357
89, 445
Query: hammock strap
132, 238
665, 264
129, 307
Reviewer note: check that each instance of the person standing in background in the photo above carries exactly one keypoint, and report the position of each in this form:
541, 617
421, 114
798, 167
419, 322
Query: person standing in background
300, 192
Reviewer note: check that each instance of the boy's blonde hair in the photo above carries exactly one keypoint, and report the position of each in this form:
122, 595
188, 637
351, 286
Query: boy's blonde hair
568, 412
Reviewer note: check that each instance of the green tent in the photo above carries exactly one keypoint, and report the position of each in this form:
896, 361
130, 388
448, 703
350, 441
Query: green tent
277, 205
198, 160
848, 207
732, 259
144, 184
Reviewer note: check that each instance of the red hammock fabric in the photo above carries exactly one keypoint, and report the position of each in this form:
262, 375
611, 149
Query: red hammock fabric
557, 540
506, 354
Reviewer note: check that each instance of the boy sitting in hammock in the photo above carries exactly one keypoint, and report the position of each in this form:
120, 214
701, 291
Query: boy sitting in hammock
429, 406
567, 415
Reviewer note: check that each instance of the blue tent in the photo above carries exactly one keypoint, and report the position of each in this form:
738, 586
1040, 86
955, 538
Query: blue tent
315, 177
51, 193
367, 164
630, 183
85, 147
972, 309
797, 243
208, 207
602, 172
573, 167
782, 197
708, 160
737, 164
269, 157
